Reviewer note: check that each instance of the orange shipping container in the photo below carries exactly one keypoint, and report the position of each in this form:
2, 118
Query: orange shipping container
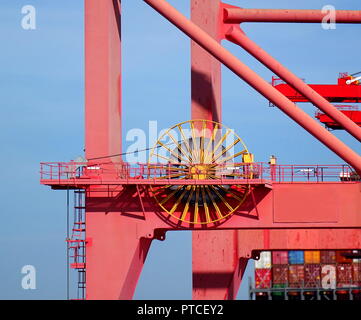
312, 257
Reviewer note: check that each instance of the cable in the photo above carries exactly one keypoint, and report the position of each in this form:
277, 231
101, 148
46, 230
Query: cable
125, 153
355, 74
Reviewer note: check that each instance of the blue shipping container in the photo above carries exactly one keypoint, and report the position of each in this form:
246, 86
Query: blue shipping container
296, 257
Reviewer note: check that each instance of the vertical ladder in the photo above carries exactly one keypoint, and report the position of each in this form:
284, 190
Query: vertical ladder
77, 242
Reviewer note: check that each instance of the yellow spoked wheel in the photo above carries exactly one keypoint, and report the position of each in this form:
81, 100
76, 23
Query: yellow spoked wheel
199, 150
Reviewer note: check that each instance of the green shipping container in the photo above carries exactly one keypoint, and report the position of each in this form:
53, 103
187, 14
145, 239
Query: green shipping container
280, 293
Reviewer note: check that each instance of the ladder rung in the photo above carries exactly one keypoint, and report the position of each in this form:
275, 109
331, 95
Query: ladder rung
78, 265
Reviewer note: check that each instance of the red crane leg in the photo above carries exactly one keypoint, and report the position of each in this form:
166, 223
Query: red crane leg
239, 15
257, 82
115, 256
102, 79
217, 268
215, 272
206, 71
236, 35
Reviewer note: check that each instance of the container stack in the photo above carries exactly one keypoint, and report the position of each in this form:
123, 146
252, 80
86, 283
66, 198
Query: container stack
308, 275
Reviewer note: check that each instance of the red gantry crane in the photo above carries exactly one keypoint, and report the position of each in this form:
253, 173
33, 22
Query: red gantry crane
204, 183
347, 90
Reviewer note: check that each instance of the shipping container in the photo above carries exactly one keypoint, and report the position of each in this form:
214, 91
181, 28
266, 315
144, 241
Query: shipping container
344, 275
312, 276
312, 257
296, 257
264, 261
328, 276
263, 278
279, 257
278, 295
341, 258
296, 276
356, 273
328, 256
280, 274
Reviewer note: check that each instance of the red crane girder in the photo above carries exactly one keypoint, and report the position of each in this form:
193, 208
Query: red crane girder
337, 93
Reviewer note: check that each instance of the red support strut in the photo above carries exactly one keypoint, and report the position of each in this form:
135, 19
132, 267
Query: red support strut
239, 15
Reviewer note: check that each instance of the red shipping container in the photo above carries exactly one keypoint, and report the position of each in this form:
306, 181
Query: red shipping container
263, 278
279, 257
356, 273
296, 276
344, 275
280, 274
312, 276
340, 258
328, 256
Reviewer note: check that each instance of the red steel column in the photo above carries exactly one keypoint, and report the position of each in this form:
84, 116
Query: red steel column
206, 71
237, 36
239, 15
102, 78
115, 254
215, 272
217, 268
258, 83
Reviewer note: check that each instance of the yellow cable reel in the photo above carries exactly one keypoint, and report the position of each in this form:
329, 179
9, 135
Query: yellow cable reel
199, 150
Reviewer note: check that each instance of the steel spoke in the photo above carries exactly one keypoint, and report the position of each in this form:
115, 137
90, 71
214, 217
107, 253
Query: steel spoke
174, 208
196, 213
223, 200
218, 211
170, 195
185, 210
225, 150
179, 146
205, 205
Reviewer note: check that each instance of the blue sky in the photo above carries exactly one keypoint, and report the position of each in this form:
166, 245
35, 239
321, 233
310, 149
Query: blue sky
42, 103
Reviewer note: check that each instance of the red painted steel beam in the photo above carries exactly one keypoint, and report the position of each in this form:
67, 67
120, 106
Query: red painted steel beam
102, 79
298, 239
237, 36
217, 268
115, 254
331, 92
239, 15
258, 83
205, 69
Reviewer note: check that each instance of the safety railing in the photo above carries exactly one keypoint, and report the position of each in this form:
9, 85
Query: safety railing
249, 171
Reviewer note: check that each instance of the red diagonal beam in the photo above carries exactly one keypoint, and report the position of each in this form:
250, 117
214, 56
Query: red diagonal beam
258, 83
239, 15
237, 36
